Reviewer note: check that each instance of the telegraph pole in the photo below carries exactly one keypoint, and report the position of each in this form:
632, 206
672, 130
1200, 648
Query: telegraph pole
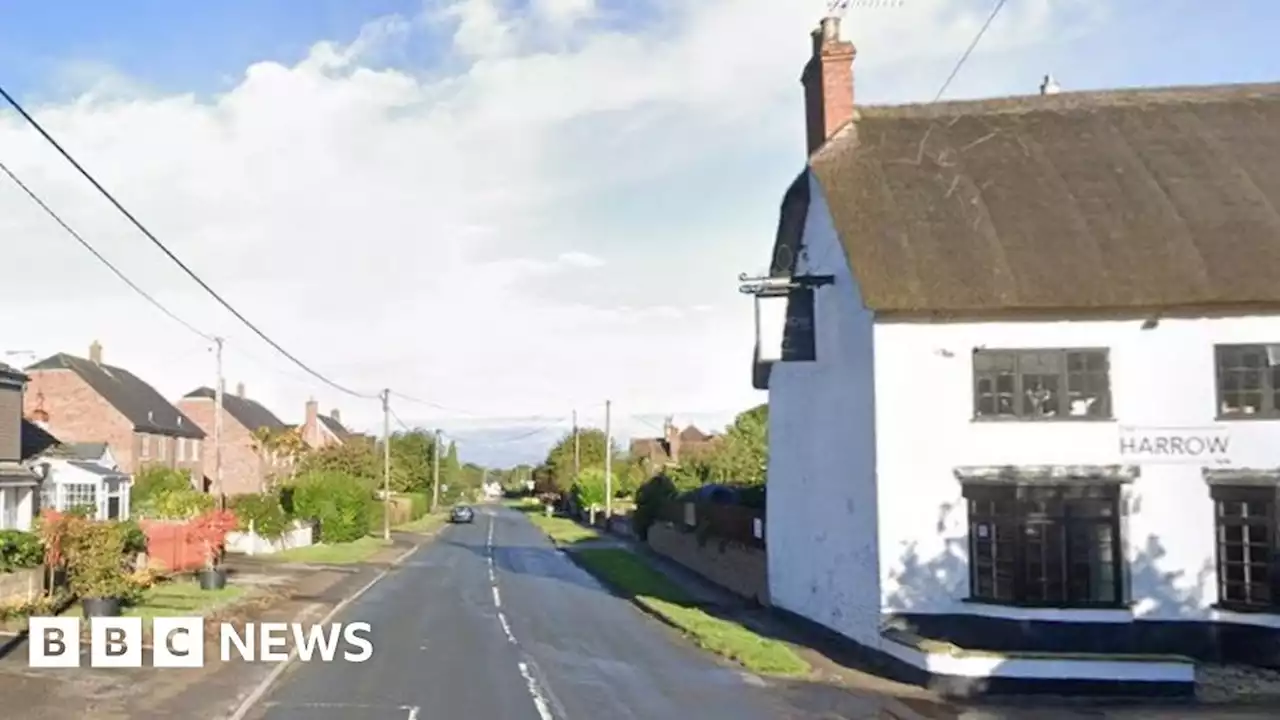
435, 475
608, 459
577, 456
386, 464
219, 389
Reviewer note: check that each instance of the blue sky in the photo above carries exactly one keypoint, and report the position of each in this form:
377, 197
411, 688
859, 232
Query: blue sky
516, 210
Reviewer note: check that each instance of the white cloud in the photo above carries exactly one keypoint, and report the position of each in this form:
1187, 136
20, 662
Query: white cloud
438, 233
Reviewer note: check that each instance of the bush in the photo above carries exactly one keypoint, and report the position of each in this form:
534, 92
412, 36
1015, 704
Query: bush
339, 502
264, 513
96, 560
157, 480
19, 550
135, 540
588, 491
650, 498
419, 504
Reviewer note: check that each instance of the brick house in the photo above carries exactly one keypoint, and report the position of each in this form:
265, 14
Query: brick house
247, 467
324, 430
665, 451
86, 400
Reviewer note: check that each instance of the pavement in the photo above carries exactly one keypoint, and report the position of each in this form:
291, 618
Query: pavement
492, 621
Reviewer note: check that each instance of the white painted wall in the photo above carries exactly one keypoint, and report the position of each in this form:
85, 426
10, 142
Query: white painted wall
1160, 377
821, 524
251, 543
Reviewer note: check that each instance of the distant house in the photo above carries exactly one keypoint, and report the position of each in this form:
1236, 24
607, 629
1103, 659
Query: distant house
324, 430
247, 463
667, 451
18, 482
86, 400
79, 475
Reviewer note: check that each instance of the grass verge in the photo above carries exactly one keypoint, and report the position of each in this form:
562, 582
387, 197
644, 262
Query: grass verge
182, 597
631, 576
563, 531
425, 524
357, 551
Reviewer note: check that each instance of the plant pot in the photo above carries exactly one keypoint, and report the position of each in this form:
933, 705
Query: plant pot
212, 578
101, 607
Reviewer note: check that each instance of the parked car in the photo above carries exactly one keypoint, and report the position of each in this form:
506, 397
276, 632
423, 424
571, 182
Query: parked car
462, 514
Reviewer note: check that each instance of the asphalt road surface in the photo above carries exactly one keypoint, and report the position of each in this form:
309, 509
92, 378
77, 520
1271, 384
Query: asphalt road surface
493, 623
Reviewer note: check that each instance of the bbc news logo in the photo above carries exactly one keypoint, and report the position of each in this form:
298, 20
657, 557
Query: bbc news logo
179, 642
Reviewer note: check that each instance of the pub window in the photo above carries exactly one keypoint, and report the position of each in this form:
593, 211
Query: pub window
1245, 529
1042, 384
1045, 545
1248, 380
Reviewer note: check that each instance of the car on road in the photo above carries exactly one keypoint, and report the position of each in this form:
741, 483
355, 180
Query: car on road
462, 514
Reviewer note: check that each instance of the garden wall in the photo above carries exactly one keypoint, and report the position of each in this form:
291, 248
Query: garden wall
251, 543
21, 586
735, 566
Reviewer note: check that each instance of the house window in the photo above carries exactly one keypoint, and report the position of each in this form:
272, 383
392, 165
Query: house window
1245, 527
80, 495
195, 449
146, 446
1042, 384
161, 444
1045, 545
182, 449
1248, 380
117, 500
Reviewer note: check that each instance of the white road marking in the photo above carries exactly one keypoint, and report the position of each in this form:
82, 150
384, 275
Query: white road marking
539, 702
242, 710
413, 713
506, 628
497, 599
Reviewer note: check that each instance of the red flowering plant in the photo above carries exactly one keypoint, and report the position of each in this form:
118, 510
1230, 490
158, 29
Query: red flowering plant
211, 529
54, 528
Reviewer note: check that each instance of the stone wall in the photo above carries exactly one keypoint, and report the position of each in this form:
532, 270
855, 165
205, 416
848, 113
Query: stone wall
740, 569
21, 586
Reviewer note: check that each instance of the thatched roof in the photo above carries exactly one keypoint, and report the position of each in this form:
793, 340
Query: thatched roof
1110, 200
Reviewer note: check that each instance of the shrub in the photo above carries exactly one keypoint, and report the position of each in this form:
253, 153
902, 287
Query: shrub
588, 491
264, 513
419, 504
339, 502
19, 550
650, 498
211, 529
156, 480
135, 540
96, 557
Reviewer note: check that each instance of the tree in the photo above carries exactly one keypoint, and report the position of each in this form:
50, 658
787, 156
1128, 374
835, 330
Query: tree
591, 452
412, 454
742, 455
285, 443
360, 461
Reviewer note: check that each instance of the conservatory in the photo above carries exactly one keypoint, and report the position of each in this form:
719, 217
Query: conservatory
70, 484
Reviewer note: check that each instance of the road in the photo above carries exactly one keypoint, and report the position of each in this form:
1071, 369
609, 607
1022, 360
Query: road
491, 621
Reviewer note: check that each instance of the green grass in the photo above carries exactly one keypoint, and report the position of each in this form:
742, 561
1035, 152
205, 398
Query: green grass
181, 597
350, 553
632, 576
563, 531
526, 504
425, 524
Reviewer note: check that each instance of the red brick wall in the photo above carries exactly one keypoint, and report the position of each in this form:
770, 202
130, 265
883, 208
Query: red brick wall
77, 413
740, 569
243, 469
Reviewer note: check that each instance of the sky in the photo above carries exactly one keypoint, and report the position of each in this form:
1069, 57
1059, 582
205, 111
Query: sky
504, 211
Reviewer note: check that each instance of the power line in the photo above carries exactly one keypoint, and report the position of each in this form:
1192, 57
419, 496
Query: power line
965, 57
85, 244
155, 241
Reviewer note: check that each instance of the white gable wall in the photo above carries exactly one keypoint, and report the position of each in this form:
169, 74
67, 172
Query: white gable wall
821, 525
1163, 377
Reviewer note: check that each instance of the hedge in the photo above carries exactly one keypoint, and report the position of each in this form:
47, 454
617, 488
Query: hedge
339, 502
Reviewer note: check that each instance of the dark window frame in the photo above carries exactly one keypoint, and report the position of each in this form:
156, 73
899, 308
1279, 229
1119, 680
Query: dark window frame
1068, 371
1230, 359
1004, 574
1248, 596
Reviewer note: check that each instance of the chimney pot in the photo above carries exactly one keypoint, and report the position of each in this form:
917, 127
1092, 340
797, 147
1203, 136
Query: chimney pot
95, 352
337, 416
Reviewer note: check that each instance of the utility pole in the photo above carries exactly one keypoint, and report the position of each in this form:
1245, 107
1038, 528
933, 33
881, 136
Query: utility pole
577, 456
608, 459
386, 464
435, 475
219, 389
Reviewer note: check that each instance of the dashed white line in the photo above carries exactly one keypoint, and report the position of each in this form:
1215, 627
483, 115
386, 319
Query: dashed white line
506, 628
539, 702
413, 713
497, 599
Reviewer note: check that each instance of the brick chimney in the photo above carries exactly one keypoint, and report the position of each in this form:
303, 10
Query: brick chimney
95, 352
828, 84
239, 389
337, 416
313, 416
672, 435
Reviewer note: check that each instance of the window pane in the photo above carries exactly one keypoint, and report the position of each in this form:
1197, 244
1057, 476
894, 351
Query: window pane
1246, 544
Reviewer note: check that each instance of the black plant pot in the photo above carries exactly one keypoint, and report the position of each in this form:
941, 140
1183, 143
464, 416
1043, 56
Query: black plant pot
212, 578
101, 607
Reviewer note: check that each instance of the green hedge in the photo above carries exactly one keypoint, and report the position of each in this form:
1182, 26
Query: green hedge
264, 513
420, 504
19, 550
339, 502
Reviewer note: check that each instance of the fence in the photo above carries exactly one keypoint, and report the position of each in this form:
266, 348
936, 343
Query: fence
727, 522
173, 546
302, 534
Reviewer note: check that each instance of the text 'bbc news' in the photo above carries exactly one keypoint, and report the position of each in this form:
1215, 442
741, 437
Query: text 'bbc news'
179, 642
